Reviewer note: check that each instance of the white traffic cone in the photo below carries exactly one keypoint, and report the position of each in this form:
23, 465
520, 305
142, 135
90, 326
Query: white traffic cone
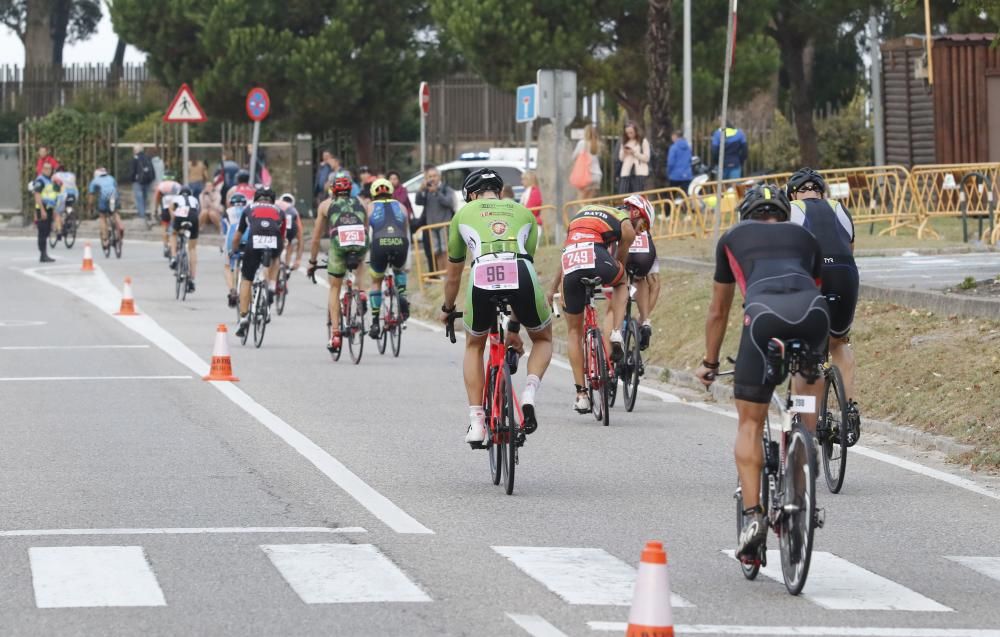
222, 365
88, 259
128, 303
651, 614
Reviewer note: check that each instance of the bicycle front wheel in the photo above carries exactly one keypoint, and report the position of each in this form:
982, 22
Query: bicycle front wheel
631, 365
798, 509
832, 430
259, 315
751, 569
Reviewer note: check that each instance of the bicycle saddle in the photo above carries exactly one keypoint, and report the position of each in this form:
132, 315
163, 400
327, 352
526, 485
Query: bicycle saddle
592, 282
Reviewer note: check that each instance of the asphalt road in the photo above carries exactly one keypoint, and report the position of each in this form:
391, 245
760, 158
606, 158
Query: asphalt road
928, 272
319, 498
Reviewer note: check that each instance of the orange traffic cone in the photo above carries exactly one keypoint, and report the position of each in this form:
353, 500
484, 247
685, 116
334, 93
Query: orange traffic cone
651, 614
222, 366
128, 303
88, 258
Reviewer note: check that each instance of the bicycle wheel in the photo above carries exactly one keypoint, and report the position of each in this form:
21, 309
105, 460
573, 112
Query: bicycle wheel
599, 401
282, 292
238, 280
106, 245
179, 281
118, 242
396, 335
496, 450
385, 315
631, 365
184, 269
260, 311
510, 429
751, 569
53, 239
798, 508
832, 430
69, 232
356, 328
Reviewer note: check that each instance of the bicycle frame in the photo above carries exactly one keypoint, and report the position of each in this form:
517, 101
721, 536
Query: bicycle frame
496, 359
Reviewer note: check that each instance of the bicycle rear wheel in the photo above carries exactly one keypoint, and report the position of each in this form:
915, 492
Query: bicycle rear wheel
396, 335
106, 246
355, 327
832, 431
179, 280
69, 231
237, 281
631, 365
509, 428
282, 292
798, 508
495, 449
259, 315
599, 378
118, 242
385, 315
184, 268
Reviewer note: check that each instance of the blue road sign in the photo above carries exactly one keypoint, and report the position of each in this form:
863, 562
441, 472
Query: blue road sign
527, 103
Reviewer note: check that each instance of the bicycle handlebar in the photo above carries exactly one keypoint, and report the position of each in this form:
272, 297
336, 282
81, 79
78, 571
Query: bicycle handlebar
449, 330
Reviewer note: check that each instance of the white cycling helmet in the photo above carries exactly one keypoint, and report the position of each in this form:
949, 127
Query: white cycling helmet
285, 201
642, 206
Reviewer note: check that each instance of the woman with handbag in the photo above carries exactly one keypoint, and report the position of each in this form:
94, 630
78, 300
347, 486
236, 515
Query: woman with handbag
586, 174
634, 155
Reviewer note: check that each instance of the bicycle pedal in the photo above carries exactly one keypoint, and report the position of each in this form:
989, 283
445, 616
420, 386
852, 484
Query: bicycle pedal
819, 518
477, 445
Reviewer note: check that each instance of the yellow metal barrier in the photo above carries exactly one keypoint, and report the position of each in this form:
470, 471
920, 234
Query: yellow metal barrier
874, 194
548, 215
677, 215
419, 256
942, 191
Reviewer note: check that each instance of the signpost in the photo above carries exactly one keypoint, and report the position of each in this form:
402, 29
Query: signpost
258, 108
527, 112
184, 110
557, 100
424, 98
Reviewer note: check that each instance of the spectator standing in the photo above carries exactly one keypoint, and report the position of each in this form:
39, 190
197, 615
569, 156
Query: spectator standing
142, 174
679, 162
589, 146
634, 156
45, 158
400, 194
210, 200
531, 197
328, 165
737, 151
198, 176
46, 195
438, 200
261, 174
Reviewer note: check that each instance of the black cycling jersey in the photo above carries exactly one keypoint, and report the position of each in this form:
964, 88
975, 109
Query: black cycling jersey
768, 258
830, 223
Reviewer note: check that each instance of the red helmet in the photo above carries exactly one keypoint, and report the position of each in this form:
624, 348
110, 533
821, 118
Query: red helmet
342, 184
639, 206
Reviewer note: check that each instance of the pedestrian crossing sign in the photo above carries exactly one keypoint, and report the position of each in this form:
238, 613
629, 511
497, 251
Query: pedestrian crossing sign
185, 108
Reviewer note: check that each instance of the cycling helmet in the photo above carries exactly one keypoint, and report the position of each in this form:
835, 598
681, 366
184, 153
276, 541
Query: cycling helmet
803, 176
184, 192
481, 180
100, 172
243, 177
763, 201
263, 193
381, 187
237, 199
639, 206
342, 184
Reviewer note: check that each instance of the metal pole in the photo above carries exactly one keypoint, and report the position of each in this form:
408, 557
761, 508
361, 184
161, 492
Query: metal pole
557, 120
184, 152
253, 153
929, 42
688, 110
878, 116
722, 120
527, 145
423, 140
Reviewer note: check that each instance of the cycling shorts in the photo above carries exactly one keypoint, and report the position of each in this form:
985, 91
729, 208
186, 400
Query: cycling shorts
642, 263
194, 225
841, 279
527, 303
384, 256
574, 294
292, 233
801, 315
252, 260
165, 215
340, 260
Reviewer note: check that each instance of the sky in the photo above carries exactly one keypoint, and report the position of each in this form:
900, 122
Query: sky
98, 49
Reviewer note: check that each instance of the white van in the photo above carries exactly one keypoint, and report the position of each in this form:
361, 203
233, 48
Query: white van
454, 173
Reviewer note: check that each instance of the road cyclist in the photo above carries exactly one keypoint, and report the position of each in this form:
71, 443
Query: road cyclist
500, 237
104, 190
166, 190
230, 223
390, 244
643, 267
291, 258
264, 224
184, 213
66, 222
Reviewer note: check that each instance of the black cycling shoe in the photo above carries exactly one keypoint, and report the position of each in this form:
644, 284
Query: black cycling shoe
190, 285
46, 259
853, 424
404, 307
270, 297
233, 298
530, 422
753, 535
374, 331
241, 331
173, 263
645, 332
166, 252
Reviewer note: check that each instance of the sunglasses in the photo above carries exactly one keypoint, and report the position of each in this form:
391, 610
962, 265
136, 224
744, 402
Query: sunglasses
810, 187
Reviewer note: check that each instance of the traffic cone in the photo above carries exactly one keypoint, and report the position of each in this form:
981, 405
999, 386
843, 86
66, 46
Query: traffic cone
651, 614
88, 258
128, 303
222, 366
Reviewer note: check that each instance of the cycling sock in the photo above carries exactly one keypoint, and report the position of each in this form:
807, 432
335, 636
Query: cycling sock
647, 322
400, 282
272, 285
375, 297
580, 389
530, 389
476, 414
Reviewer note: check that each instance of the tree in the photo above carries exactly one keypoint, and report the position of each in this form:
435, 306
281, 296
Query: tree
46, 26
659, 36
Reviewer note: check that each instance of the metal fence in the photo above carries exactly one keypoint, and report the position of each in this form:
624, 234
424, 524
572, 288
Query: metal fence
35, 91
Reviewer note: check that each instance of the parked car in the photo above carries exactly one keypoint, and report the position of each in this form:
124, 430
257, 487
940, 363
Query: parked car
454, 173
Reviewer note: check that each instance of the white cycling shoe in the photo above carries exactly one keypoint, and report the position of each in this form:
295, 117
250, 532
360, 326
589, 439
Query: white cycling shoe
617, 346
582, 404
477, 432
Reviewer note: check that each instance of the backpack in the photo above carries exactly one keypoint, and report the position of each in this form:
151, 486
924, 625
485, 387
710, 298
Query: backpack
146, 173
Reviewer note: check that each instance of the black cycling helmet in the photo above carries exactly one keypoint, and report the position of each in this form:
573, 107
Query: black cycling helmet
481, 180
237, 199
243, 177
803, 176
765, 201
264, 193
184, 192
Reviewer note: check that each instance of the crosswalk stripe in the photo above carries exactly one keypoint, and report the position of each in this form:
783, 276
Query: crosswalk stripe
88, 576
342, 573
579, 575
838, 584
988, 566
812, 631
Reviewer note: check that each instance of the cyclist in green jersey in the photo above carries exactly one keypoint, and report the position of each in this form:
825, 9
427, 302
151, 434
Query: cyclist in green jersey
344, 218
491, 230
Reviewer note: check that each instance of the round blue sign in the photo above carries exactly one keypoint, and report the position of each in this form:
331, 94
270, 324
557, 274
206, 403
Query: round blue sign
258, 104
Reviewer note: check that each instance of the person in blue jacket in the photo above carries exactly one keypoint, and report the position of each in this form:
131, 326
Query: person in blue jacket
679, 162
736, 151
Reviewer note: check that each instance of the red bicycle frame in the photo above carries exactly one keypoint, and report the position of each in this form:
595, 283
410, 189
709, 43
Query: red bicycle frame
495, 361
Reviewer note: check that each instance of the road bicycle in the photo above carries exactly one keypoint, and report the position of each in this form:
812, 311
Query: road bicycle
353, 309
504, 419
598, 375
788, 478
237, 280
182, 275
115, 236
70, 224
391, 316
281, 288
260, 308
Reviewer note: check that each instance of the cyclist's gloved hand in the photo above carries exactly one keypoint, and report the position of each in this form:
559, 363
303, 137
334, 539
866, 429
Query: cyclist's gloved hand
311, 271
515, 342
707, 373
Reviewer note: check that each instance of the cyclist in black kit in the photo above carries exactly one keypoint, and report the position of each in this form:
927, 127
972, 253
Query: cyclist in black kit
777, 266
833, 227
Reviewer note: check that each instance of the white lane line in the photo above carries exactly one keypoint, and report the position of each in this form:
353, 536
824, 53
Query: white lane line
342, 574
47, 347
16, 379
838, 584
184, 531
814, 631
96, 289
937, 474
988, 566
579, 575
88, 576
536, 626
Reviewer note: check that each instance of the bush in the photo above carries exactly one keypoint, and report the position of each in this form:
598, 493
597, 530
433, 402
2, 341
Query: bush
844, 141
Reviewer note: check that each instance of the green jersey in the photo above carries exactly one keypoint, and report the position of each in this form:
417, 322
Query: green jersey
485, 226
344, 216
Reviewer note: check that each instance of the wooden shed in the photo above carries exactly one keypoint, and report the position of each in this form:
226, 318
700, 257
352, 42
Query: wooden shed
955, 120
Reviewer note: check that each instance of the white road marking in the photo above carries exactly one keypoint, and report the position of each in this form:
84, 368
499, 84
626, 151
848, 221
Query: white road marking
47, 347
988, 566
838, 584
579, 575
817, 631
96, 289
184, 531
14, 379
87, 576
20, 323
536, 626
342, 573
